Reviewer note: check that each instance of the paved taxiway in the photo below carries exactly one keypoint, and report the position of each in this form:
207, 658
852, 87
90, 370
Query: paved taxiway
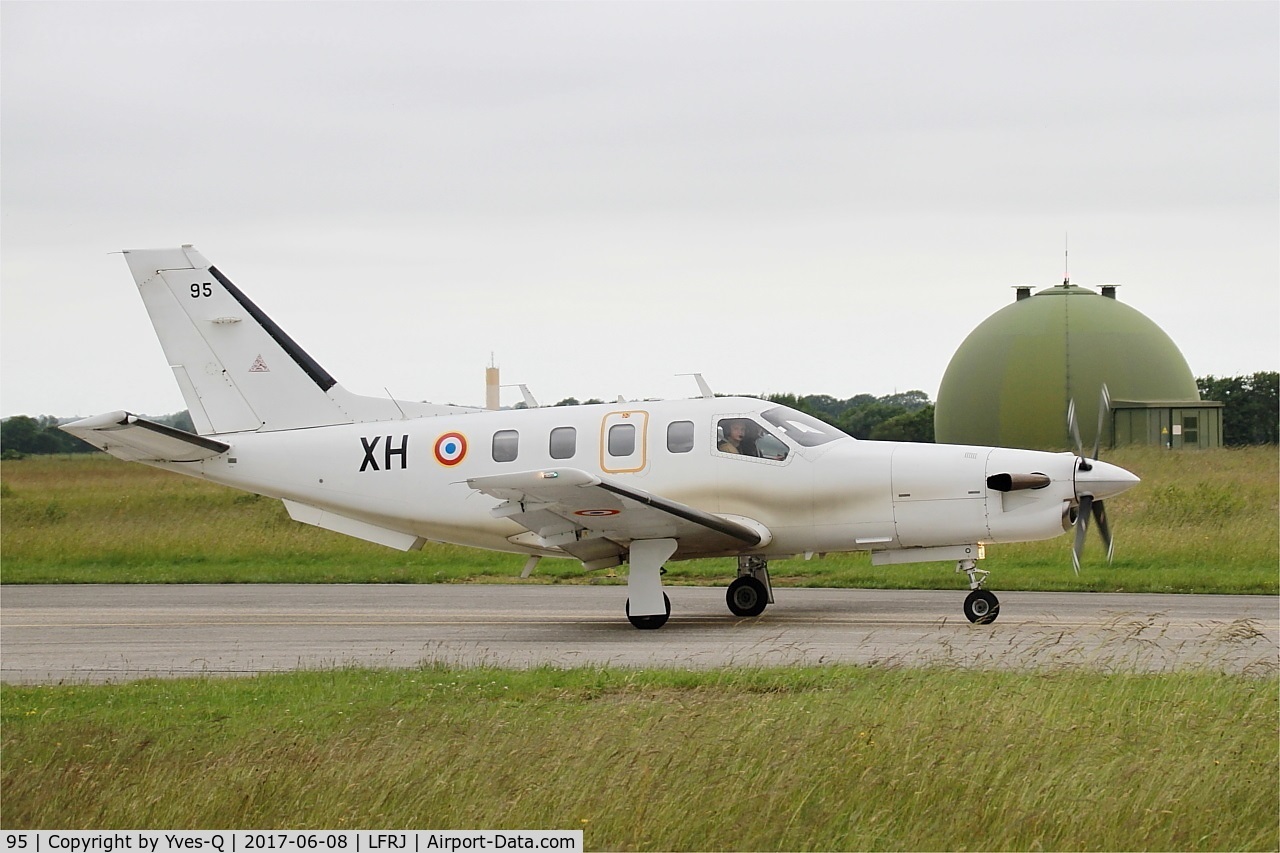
118, 633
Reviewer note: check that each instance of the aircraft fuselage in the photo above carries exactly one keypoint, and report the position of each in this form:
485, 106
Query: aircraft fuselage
840, 495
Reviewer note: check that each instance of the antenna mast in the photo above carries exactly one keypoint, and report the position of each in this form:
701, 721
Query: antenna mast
1066, 259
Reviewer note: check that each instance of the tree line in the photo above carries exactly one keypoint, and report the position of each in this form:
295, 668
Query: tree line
1251, 416
1252, 411
907, 416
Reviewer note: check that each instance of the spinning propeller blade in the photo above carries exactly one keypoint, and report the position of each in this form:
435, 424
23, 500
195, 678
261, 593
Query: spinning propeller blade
1100, 516
1091, 490
1104, 406
1082, 527
1074, 428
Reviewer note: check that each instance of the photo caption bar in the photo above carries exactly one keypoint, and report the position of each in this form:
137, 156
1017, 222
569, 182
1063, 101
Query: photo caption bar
292, 841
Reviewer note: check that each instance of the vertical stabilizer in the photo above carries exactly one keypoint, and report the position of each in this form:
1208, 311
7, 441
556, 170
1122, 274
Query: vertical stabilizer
237, 369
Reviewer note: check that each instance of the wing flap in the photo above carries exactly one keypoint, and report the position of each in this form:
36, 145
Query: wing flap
136, 439
594, 518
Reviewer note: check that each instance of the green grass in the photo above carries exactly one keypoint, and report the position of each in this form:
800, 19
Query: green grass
799, 759
1199, 522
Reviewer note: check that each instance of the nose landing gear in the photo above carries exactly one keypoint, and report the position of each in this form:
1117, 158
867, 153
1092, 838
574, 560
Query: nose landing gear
981, 606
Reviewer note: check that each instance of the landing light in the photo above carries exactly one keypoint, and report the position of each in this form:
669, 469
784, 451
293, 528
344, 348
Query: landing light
549, 475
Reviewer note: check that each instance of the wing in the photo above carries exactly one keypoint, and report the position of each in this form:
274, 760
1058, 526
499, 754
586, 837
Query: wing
136, 439
596, 519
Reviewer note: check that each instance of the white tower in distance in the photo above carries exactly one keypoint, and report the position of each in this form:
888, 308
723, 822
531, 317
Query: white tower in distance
491, 398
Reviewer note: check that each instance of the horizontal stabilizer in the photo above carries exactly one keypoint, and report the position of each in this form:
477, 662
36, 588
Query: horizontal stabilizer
136, 439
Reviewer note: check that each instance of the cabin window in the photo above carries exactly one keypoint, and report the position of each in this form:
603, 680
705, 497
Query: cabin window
745, 437
622, 439
564, 442
680, 436
506, 445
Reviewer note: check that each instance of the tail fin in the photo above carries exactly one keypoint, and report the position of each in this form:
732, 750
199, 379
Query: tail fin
237, 369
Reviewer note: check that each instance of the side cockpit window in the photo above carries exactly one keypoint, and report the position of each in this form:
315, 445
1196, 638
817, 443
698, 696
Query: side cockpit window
745, 437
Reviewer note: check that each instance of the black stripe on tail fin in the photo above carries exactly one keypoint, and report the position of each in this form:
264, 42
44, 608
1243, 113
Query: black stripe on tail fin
308, 364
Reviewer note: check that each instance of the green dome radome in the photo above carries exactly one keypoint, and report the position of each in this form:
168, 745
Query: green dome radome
1009, 383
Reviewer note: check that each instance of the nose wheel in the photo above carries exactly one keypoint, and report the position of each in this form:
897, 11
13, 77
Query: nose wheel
981, 607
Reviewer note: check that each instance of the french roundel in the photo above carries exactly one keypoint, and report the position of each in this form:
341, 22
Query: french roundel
451, 448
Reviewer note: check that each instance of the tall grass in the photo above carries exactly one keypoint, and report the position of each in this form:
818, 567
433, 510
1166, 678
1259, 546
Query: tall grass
94, 519
805, 759
1204, 521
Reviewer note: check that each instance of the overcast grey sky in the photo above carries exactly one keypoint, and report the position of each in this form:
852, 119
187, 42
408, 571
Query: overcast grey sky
805, 197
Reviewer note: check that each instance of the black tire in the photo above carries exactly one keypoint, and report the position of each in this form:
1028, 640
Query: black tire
648, 623
981, 607
747, 597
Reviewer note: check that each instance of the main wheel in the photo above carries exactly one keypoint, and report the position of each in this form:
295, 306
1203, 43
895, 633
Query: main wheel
645, 623
747, 597
981, 607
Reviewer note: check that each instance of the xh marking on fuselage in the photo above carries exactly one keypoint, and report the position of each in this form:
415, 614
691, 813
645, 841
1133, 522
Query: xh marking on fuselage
389, 452
636, 483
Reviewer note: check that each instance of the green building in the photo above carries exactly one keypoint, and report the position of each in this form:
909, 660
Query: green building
1011, 381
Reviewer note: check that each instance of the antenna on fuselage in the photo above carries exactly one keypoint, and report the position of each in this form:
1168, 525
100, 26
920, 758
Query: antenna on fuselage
529, 401
703, 387
403, 416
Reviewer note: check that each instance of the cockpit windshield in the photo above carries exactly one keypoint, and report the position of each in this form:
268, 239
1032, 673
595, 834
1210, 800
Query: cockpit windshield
805, 430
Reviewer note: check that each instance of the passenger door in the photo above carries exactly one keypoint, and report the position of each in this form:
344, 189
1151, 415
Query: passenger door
624, 442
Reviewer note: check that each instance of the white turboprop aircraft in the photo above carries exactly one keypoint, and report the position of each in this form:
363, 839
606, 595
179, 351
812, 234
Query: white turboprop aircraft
635, 482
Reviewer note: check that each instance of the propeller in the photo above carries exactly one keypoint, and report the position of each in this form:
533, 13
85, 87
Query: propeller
1091, 490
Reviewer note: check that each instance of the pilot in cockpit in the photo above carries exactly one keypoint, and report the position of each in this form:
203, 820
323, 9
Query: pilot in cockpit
739, 436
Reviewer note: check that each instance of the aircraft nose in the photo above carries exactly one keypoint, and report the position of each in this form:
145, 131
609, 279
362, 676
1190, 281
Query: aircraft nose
1103, 480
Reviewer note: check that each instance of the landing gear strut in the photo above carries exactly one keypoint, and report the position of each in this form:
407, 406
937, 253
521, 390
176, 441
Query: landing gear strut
981, 607
647, 605
751, 592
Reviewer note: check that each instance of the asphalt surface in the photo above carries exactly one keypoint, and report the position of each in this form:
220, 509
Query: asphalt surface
88, 633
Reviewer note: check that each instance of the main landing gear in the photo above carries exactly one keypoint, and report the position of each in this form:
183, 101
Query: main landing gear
648, 606
981, 606
653, 620
751, 592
